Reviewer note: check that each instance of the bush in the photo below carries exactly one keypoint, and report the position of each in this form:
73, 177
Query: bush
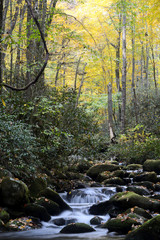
136, 146
18, 145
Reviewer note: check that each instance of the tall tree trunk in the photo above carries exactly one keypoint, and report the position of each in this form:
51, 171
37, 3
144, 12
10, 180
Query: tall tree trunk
76, 73
1, 33
82, 81
124, 73
133, 75
154, 70
110, 114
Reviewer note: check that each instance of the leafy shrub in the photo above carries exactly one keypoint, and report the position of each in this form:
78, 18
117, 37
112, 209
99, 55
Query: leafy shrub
136, 146
18, 145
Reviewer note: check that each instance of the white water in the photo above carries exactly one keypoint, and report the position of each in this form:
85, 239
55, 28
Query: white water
80, 200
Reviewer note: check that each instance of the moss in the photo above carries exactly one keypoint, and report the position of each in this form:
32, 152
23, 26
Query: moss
37, 211
77, 228
97, 169
134, 167
152, 165
51, 207
120, 225
37, 185
4, 215
149, 230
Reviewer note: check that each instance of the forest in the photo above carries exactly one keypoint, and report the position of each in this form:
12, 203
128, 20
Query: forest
79, 89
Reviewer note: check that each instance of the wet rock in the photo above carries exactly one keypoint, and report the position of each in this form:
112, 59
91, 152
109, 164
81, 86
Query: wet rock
51, 207
59, 221
146, 176
94, 171
127, 200
22, 224
83, 166
96, 184
134, 167
101, 208
149, 230
115, 181
157, 186
54, 196
37, 185
121, 224
139, 190
4, 215
14, 192
77, 228
149, 185
37, 211
140, 212
96, 220
152, 165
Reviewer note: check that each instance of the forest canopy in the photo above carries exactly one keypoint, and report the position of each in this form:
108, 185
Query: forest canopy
92, 74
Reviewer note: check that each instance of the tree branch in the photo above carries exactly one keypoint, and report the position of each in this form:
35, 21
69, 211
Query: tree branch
46, 58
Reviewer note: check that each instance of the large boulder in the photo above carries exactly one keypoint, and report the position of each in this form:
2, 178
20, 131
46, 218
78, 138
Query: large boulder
54, 196
77, 228
121, 225
139, 190
152, 165
149, 230
94, 171
134, 166
114, 181
14, 192
125, 200
37, 211
101, 208
146, 176
51, 207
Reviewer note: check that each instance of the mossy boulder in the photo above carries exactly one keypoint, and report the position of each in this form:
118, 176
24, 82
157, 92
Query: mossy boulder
101, 208
147, 184
139, 190
77, 228
54, 196
120, 225
127, 200
149, 230
37, 185
134, 167
14, 192
51, 207
152, 165
146, 176
114, 181
37, 211
4, 215
94, 171
96, 220
139, 211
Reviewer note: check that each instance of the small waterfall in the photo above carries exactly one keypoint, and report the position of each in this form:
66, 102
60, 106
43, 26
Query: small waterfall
80, 200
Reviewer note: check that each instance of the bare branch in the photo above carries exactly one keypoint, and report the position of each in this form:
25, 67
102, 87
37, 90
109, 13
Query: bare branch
46, 58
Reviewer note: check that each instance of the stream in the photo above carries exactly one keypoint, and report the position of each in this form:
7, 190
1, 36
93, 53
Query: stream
79, 200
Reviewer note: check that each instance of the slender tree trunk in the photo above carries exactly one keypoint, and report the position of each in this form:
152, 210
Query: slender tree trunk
110, 113
124, 73
154, 70
76, 74
133, 75
1, 33
80, 88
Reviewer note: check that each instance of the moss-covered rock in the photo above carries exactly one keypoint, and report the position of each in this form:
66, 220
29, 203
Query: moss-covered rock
152, 165
51, 207
54, 196
94, 171
149, 230
134, 167
37, 211
14, 192
127, 200
96, 220
120, 225
146, 176
114, 181
37, 185
77, 228
139, 190
147, 184
101, 208
140, 212
4, 215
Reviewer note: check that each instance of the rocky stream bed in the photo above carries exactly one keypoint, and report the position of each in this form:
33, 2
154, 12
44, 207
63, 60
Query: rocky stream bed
104, 201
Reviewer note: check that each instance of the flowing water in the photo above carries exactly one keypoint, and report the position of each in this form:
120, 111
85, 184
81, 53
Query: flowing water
80, 200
